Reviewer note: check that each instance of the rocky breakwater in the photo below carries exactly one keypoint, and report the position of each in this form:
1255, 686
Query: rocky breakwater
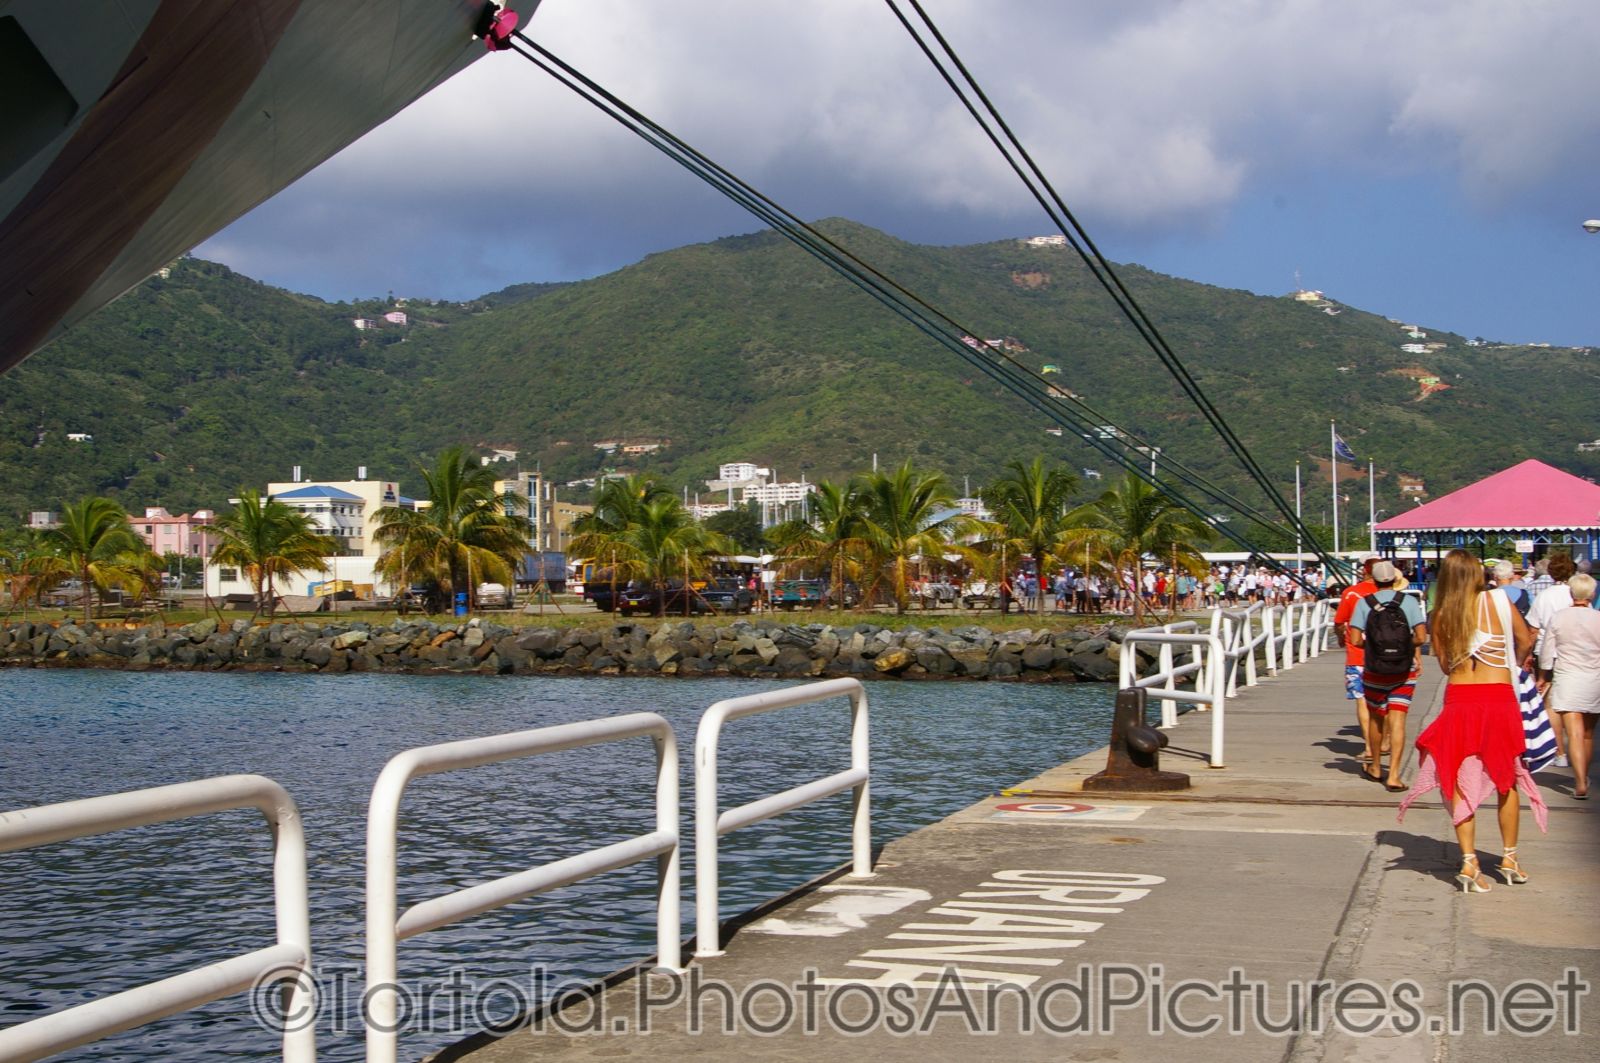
681, 648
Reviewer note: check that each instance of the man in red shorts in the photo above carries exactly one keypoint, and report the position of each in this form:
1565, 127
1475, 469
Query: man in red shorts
1352, 649
1387, 692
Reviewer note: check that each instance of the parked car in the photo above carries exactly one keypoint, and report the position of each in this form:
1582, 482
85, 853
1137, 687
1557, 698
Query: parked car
790, 594
494, 596
728, 596
658, 600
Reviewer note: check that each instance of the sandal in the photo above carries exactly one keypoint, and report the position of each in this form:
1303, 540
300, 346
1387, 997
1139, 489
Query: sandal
1510, 870
1472, 880
1396, 787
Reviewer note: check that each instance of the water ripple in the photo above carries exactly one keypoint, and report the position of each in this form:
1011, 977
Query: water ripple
97, 915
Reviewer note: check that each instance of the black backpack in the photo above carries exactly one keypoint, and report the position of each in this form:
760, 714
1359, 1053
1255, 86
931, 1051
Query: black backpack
1388, 643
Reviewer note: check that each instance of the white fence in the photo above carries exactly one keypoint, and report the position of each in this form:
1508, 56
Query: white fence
1207, 665
1218, 656
709, 824
385, 930
289, 958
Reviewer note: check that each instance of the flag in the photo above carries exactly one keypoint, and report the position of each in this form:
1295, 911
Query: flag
1342, 451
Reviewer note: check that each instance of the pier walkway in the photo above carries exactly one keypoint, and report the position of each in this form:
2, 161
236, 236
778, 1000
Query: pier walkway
1128, 918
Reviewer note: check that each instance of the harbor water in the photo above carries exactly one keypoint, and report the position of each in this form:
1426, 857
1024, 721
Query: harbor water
93, 916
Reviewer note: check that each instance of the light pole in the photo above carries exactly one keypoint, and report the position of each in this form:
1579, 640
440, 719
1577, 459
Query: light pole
1592, 225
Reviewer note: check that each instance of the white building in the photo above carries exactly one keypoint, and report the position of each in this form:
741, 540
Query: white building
974, 507
1055, 240
346, 510
738, 476
779, 493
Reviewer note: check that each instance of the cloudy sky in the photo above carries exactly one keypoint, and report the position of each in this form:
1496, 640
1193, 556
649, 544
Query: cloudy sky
1430, 160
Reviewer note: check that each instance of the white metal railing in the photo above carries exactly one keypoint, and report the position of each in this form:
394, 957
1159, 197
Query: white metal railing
1208, 664
386, 928
709, 824
289, 958
1240, 639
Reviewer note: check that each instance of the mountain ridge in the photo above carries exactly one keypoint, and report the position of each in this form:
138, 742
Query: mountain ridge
744, 348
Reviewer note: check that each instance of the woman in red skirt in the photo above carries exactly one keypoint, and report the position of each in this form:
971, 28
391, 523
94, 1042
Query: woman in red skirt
1475, 747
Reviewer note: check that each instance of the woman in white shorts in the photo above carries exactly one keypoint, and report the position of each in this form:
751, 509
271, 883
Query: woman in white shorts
1573, 640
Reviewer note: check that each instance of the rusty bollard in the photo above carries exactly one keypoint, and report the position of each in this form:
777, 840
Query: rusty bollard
1134, 765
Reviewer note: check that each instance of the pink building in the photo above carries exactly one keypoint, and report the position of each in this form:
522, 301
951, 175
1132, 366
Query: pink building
183, 534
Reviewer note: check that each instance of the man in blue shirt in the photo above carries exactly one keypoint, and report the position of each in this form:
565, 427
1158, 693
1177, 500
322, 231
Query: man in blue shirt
1388, 695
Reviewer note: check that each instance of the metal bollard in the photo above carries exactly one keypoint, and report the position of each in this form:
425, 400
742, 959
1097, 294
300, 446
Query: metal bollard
1134, 764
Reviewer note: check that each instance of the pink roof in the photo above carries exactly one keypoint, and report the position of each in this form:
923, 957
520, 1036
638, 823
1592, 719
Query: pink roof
1531, 496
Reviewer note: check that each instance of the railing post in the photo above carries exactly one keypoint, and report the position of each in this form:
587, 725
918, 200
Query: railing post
1269, 617
708, 920
1290, 649
861, 794
1169, 708
710, 822
1247, 640
1218, 698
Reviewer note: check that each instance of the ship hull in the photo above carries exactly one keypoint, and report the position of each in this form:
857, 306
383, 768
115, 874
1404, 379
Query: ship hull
144, 128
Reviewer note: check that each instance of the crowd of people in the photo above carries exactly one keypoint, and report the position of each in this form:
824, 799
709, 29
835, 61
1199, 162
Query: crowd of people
1072, 590
1505, 637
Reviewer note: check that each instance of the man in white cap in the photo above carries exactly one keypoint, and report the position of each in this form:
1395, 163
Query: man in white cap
1391, 629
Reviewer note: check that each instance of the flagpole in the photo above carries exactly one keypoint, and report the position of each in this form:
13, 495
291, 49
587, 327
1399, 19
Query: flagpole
1372, 511
1333, 452
1299, 562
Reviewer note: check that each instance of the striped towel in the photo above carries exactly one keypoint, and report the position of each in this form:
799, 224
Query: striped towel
1536, 729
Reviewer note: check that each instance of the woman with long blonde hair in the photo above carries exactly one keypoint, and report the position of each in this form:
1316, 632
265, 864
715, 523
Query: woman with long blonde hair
1475, 747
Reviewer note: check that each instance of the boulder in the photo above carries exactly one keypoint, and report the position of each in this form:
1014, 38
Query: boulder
973, 660
894, 660
200, 630
1038, 657
1095, 667
935, 659
350, 640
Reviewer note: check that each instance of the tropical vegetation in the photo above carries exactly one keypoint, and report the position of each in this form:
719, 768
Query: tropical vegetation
463, 535
641, 531
834, 539
1029, 503
269, 540
1129, 521
94, 544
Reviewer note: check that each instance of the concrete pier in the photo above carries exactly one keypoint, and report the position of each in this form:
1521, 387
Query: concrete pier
1274, 911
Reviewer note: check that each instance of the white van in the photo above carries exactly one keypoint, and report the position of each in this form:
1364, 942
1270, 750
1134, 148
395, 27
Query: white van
493, 596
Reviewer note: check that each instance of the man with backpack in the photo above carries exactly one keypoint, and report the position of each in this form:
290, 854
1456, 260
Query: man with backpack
1390, 629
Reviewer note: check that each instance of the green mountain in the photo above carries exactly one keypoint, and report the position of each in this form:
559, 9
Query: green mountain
745, 349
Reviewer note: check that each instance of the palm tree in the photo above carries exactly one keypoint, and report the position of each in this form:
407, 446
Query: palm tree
835, 536
603, 533
1030, 506
463, 536
907, 514
268, 539
1130, 520
94, 543
22, 555
665, 541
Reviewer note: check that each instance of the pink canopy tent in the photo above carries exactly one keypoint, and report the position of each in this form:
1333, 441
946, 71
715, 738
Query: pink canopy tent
1530, 501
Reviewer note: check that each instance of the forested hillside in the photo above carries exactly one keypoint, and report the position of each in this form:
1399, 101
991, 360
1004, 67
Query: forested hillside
746, 349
